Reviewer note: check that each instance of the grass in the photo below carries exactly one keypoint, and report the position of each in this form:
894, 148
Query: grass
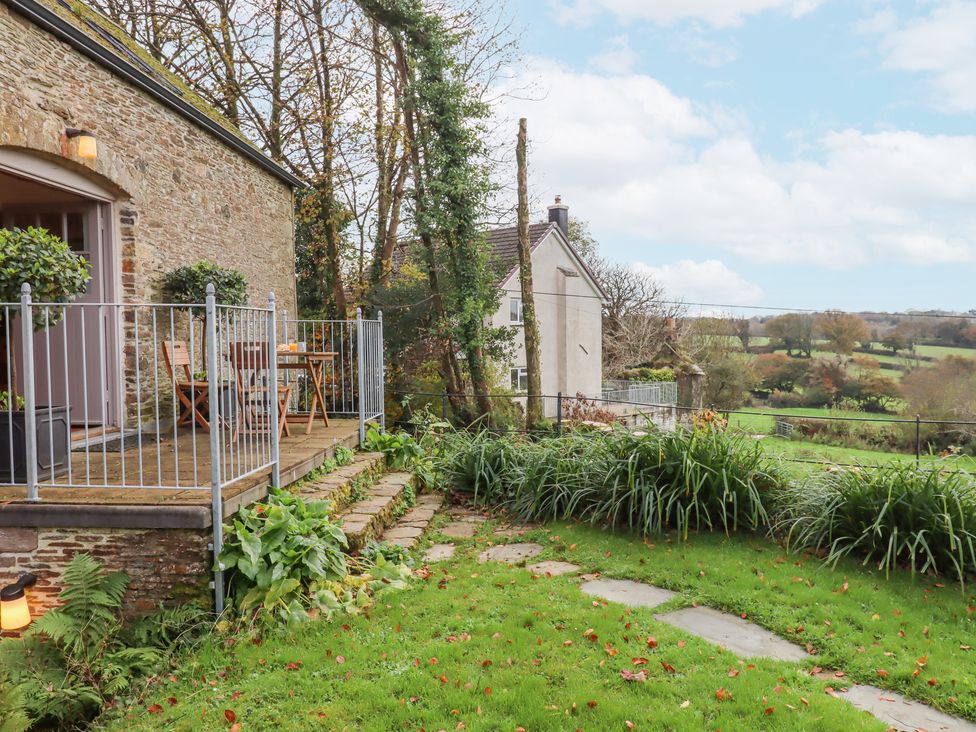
493, 648
760, 424
943, 351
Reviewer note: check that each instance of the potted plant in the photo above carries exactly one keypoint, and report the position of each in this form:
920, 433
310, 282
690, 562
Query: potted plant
187, 285
56, 275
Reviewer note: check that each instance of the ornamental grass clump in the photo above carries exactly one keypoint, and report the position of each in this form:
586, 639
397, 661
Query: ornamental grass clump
649, 483
892, 516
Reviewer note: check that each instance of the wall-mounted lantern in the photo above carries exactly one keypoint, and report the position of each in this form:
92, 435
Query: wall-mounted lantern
87, 145
14, 611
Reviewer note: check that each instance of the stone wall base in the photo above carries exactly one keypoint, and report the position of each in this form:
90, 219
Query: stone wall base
171, 566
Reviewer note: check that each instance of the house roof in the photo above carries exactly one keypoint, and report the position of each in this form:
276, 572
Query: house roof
504, 245
105, 43
504, 250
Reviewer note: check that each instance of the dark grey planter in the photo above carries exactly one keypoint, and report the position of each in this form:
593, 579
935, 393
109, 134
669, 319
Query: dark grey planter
53, 440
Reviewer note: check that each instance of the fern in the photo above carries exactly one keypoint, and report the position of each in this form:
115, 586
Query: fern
74, 658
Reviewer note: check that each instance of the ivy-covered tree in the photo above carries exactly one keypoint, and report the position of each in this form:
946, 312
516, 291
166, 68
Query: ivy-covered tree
452, 185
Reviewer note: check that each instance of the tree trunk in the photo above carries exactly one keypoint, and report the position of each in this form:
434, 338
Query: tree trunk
530, 325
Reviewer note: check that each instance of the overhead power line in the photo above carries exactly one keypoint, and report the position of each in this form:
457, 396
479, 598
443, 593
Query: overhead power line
769, 308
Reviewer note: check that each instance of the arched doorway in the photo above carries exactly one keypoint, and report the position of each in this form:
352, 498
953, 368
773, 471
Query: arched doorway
72, 365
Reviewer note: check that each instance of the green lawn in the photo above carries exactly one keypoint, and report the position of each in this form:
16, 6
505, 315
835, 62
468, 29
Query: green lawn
764, 425
490, 647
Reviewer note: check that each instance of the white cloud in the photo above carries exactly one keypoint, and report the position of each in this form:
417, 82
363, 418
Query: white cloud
941, 44
640, 162
708, 281
718, 13
617, 58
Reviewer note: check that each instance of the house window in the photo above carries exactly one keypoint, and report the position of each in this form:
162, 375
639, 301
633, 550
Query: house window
515, 312
520, 379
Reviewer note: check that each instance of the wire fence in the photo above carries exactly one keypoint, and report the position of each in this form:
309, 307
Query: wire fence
573, 411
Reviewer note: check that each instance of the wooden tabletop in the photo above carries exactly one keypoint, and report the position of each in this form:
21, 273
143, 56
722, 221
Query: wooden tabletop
308, 354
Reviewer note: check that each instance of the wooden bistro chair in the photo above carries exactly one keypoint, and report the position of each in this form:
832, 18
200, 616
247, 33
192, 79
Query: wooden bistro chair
250, 361
192, 394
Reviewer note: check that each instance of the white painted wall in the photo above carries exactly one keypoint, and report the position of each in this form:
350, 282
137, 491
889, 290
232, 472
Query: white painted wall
571, 328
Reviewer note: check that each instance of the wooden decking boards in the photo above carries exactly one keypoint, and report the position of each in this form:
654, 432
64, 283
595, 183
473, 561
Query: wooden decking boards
300, 454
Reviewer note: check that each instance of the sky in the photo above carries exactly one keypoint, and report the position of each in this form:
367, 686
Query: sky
782, 153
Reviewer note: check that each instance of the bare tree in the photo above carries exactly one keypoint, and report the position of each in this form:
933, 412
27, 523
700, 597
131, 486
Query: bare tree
639, 325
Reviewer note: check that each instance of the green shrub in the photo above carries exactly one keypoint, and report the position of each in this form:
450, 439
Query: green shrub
13, 710
187, 285
643, 373
74, 659
650, 483
892, 516
275, 551
400, 448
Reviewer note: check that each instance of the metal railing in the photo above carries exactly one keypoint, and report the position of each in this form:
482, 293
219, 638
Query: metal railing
354, 387
641, 392
109, 395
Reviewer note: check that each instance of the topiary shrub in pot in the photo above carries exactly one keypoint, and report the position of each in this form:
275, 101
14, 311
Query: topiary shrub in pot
56, 275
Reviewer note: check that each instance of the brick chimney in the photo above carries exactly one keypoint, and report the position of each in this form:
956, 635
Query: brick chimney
559, 215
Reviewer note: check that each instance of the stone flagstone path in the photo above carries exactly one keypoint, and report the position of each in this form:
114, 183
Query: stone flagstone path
743, 638
735, 634
902, 713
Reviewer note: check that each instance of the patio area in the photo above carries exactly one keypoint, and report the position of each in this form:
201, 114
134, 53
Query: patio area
300, 453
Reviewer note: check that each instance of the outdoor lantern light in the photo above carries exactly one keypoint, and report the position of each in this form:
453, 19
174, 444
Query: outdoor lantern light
87, 145
14, 613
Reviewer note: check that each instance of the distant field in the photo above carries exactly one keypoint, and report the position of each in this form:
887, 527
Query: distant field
760, 424
791, 450
943, 351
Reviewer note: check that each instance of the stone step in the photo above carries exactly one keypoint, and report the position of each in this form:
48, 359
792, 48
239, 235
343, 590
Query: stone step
340, 485
369, 517
412, 525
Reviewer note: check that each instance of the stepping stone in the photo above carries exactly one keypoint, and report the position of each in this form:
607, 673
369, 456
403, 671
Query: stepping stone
553, 568
513, 530
739, 636
439, 552
626, 592
459, 530
402, 532
510, 553
901, 713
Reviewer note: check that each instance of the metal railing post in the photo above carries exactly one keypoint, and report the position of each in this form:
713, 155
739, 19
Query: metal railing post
918, 440
30, 400
361, 375
381, 387
216, 494
559, 413
273, 391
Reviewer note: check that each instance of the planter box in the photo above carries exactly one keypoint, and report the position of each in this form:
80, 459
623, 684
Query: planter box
53, 439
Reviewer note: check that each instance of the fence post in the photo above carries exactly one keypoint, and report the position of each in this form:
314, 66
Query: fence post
380, 354
284, 337
30, 401
559, 413
444, 405
216, 494
918, 440
273, 391
361, 376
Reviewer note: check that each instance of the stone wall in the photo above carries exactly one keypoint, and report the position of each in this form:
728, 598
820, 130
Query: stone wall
164, 565
181, 193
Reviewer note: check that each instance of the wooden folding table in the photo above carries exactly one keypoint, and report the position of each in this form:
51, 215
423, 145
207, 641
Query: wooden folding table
312, 363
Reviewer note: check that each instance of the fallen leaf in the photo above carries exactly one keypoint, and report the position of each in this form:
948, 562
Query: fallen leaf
685, 704
628, 675
230, 716
154, 709
723, 694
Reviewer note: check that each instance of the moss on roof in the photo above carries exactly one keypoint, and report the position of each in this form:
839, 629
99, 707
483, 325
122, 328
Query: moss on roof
80, 15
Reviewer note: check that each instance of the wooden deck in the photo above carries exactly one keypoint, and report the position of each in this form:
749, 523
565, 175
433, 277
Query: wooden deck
300, 454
